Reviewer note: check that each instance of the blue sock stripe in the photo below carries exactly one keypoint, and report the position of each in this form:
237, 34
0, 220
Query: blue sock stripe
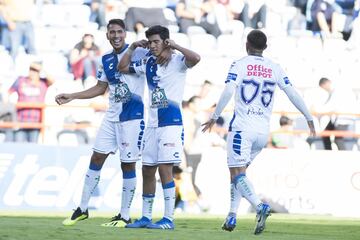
150, 195
236, 178
95, 167
129, 174
169, 185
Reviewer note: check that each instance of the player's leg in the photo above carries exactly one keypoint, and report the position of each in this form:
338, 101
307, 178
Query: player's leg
170, 149
149, 181
105, 144
129, 136
91, 181
262, 211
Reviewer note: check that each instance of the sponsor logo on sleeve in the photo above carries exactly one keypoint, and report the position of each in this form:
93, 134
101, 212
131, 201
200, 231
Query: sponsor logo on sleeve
231, 77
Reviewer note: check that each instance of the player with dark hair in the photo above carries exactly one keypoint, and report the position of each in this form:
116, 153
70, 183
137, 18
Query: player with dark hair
163, 138
122, 127
253, 79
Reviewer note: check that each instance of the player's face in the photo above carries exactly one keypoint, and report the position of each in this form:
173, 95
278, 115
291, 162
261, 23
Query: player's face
116, 36
156, 44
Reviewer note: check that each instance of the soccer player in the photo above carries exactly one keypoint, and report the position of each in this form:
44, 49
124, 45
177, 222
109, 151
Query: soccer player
122, 127
163, 138
253, 79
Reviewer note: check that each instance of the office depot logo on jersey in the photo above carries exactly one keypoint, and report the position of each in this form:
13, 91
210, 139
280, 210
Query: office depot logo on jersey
257, 70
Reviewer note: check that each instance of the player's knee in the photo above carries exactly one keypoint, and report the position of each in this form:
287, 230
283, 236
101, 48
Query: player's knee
98, 158
148, 172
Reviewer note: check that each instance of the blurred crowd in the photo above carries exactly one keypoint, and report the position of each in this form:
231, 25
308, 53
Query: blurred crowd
50, 46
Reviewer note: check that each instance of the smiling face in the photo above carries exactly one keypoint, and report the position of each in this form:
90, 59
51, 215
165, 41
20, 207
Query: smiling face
156, 44
116, 36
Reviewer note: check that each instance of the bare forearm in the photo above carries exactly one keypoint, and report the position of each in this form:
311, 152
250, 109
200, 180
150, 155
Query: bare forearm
89, 93
191, 57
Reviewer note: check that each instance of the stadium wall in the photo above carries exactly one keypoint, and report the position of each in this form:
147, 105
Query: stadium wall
49, 178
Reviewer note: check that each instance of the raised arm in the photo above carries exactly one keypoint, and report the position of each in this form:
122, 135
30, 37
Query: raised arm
125, 61
191, 58
299, 103
94, 91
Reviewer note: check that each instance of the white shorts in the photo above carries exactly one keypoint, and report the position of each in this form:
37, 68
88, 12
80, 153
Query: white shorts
243, 147
163, 145
125, 136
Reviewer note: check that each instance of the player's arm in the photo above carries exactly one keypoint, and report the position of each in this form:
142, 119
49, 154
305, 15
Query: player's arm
94, 91
299, 103
124, 64
223, 101
191, 57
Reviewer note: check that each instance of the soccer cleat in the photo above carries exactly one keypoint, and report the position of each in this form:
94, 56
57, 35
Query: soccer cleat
117, 221
229, 224
139, 223
261, 217
163, 223
78, 215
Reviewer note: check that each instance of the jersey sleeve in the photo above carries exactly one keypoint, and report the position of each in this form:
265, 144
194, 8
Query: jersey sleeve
282, 79
180, 61
139, 66
233, 77
100, 74
139, 53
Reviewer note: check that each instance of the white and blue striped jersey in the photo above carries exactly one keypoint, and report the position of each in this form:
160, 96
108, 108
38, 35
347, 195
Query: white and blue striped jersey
254, 79
170, 80
134, 108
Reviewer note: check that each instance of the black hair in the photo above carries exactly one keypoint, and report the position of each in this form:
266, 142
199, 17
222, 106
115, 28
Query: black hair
207, 82
323, 81
192, 99
284, 120
157, 29
116, 21
257, 39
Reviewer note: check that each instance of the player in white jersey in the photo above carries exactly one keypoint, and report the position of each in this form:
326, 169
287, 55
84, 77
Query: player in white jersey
163, 138
253, 79
122, 127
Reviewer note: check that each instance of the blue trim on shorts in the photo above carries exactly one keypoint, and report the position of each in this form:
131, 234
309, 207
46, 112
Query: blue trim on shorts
236, 178
129, 174
169, 185
95, 167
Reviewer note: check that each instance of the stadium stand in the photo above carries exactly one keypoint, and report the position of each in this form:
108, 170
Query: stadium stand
306, 57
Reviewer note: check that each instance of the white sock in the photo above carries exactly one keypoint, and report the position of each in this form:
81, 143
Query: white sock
129, 186
148, 201
235, 197
243, 184
92, 179
169, 199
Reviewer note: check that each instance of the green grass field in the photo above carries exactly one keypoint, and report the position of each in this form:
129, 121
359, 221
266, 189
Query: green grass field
279, 227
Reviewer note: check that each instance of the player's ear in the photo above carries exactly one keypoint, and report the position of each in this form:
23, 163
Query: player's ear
265, 47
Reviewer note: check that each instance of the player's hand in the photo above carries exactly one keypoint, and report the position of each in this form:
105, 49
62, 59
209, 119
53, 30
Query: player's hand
312, 128
208, 125
165, 56
63, 98
142, 43
170, 43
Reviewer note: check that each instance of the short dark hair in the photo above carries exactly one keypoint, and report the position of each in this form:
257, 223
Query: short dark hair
257, 39
116, 21
284, 120
323, 81
157, 29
